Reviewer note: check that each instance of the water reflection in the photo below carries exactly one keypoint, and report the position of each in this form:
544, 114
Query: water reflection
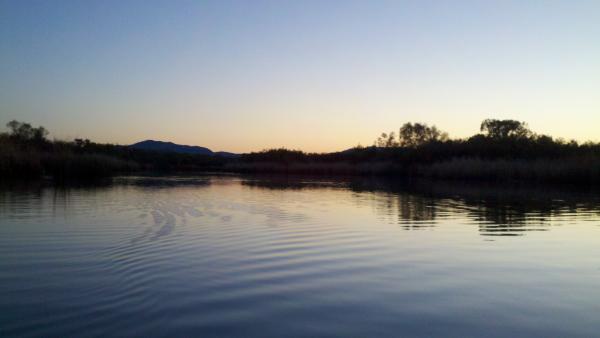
295, 256
163, 182
498, 210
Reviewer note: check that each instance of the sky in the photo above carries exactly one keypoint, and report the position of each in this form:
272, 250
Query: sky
312, 75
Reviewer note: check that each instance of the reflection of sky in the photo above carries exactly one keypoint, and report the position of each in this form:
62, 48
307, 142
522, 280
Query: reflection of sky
317, 75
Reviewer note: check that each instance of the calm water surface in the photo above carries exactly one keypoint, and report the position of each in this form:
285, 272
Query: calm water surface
251, 257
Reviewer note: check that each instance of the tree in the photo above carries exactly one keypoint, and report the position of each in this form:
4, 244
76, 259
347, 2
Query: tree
501, 129
387, 140
414, 135
25, 132
81, 143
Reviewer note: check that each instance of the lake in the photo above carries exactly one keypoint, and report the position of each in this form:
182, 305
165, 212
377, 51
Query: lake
235, 256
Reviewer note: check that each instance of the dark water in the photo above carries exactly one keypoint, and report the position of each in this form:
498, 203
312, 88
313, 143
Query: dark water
247, 257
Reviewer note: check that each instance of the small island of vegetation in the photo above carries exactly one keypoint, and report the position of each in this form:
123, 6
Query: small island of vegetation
505, 150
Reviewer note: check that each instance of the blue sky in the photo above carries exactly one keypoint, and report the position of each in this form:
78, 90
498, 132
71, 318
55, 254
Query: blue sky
311, 75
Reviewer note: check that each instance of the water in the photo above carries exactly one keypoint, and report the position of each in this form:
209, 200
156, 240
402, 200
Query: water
254, 257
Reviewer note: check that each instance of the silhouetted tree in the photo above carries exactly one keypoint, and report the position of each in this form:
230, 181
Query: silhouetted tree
81, 143
387, 140
505, 128
414, 135
25, 132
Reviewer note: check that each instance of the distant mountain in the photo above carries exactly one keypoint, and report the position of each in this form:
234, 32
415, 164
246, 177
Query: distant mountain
226, 154
177, 148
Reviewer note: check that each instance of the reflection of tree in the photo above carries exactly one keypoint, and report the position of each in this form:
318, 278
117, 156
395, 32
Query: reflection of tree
411, 211
498, 210
512, 212
37, 198
20, 200
505, 220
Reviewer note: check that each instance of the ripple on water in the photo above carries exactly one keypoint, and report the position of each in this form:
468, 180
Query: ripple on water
241, 257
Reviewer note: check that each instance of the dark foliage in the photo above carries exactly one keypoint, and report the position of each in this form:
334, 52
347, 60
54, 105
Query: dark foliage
26, 153
507, 150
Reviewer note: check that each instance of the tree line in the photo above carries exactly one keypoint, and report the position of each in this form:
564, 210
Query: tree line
504, 149
417, 134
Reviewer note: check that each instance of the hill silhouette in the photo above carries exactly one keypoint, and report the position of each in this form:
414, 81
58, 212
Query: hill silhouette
171, 147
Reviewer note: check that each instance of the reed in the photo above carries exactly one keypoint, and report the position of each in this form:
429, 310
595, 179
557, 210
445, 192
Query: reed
64, 166
572, 170
17, 161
